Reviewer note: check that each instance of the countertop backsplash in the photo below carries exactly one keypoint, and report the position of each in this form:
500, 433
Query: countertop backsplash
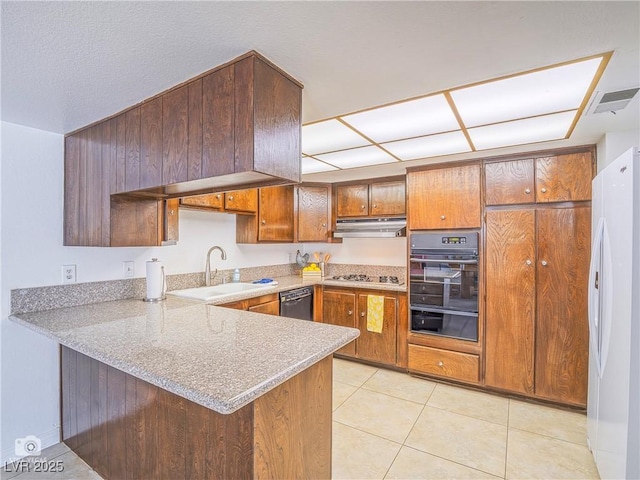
24, 300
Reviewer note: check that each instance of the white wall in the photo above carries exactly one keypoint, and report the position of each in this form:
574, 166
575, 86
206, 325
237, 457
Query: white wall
613, 144
32, 255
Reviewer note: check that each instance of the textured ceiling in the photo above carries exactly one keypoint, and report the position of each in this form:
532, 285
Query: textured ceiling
67, 64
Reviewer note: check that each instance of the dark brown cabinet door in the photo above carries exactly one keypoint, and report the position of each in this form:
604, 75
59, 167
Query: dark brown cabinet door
218, 126
387, 198
562, 336
352, 200
275, 216
378, 347
444, 198
510, 300
245, 201
564, 178
175, 135
313, 213
509, 182
151, 143
339, 308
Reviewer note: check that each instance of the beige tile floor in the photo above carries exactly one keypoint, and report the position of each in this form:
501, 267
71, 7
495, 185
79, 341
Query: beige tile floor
389, 425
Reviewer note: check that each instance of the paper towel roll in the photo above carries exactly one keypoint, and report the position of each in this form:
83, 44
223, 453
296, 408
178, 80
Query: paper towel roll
155, 280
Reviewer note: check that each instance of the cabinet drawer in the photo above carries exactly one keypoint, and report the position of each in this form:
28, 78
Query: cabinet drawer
444, 363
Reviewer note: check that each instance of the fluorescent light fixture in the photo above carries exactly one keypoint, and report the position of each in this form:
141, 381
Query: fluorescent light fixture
329, 136
430, 146
518, 132
537, 93
357, 157
311, 165
413, 118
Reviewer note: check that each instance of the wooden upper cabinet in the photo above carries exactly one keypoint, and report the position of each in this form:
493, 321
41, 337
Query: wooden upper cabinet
211, 201
313, 213
218, 122
387, 198
511, 182
562, 331
245, 201
352, 200
175, 136
383, 198
564, 178
444, 198
275, 214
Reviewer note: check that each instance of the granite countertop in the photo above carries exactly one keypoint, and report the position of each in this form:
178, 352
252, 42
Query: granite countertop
294, 281
218, 357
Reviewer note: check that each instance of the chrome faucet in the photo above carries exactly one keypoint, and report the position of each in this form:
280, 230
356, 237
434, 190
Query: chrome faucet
207, 267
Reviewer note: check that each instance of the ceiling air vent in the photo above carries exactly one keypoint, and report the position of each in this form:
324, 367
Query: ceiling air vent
613, 101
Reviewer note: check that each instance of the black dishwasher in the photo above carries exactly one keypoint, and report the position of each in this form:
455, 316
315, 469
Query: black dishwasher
297, 303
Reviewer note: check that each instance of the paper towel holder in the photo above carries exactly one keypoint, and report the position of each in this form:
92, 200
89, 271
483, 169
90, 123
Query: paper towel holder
163, 295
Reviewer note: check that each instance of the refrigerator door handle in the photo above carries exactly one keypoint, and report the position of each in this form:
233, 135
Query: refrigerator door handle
606, 298
595, 294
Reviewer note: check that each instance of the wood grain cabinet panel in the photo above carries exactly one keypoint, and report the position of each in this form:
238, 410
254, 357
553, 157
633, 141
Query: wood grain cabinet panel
387, 198
313, 213
276, 214
444, 198
268, 308
562, 335
510, 300
245, 201
212, 201
175, 136
339, 308
352, 200
218, 122
378, 347
509, 182
564, 178
444, 363
151, 144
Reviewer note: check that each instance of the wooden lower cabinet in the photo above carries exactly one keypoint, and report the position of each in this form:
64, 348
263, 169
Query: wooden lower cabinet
348, 307
444, 363
124, 427
536, 316
267, 304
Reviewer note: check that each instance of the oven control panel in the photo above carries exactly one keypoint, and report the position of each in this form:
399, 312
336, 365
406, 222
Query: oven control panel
454, 240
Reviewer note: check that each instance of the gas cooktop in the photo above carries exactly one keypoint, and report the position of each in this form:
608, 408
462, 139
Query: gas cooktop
360, 277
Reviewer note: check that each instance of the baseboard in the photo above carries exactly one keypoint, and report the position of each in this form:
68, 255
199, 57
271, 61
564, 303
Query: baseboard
48, 438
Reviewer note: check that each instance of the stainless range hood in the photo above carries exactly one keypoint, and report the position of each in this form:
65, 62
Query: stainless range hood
371, 228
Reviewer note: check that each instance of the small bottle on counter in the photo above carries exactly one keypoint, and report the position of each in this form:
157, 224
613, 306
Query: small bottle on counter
236, 275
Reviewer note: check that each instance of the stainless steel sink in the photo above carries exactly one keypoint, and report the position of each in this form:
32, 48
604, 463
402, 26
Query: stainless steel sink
215, 292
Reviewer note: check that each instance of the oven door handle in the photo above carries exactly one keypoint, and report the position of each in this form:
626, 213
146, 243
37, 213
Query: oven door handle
446, 260
444, 310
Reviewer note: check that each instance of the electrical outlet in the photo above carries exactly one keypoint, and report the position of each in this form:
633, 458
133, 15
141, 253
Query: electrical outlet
68, 274
128, 268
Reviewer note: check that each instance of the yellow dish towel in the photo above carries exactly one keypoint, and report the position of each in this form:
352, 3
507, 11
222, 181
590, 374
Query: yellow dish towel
375, 313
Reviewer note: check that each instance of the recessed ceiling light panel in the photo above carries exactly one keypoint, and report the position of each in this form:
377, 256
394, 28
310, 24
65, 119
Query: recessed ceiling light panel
357, 157
537, 93
329, 136
430, 146
311, 165
518, 132
413, 118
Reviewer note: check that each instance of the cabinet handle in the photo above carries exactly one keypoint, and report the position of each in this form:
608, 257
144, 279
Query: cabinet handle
362, 207
441, 363
231, 198
172, 212
543, 190
362, 314
375, 206
527, 191
544, 263
264, 222
350, 312
442, 217
324, 224
528, 262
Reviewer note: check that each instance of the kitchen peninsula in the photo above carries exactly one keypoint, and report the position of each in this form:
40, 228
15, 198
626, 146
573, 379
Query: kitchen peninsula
183, 389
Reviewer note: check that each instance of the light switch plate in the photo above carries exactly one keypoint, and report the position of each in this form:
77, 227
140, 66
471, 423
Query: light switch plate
68, 274
128, 269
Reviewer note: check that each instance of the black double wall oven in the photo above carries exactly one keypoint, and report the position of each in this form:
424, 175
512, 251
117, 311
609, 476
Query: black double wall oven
443, 284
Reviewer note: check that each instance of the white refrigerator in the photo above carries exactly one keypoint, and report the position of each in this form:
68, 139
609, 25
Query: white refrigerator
613, 405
